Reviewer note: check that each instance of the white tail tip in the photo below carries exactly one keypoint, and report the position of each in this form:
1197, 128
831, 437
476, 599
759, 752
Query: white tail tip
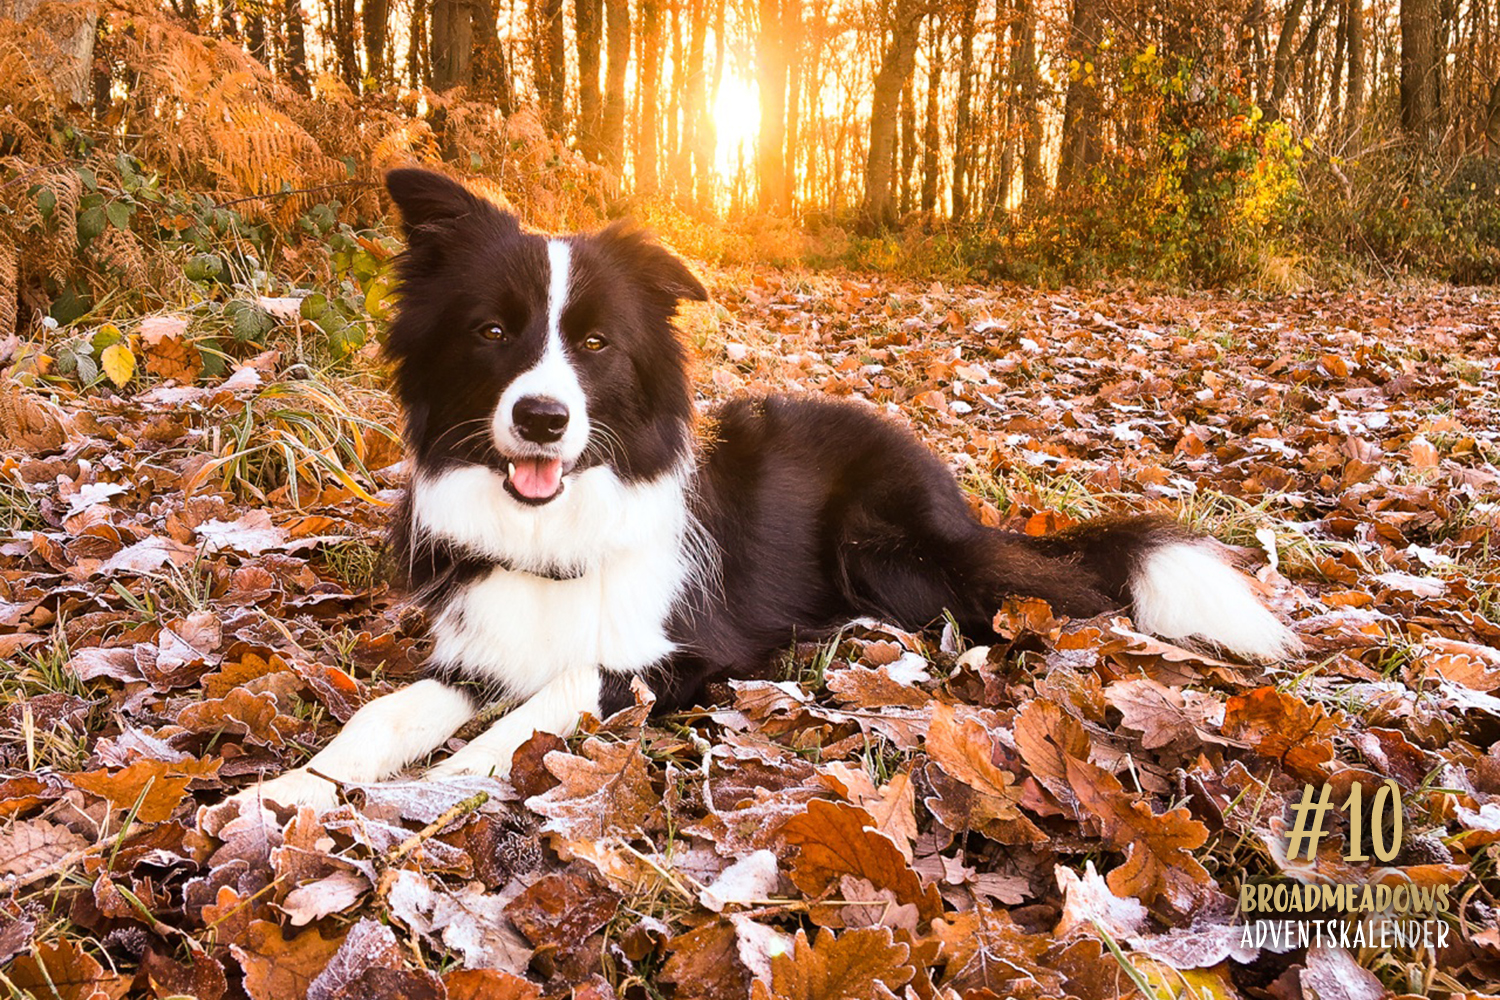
1184, 591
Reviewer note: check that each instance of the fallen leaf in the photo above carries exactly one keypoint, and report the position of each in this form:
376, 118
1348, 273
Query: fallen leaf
606, 791
32, 844
277, 966
865, 964
1286, 729
835, 839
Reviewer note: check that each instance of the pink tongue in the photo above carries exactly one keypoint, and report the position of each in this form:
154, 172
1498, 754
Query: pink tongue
536, 478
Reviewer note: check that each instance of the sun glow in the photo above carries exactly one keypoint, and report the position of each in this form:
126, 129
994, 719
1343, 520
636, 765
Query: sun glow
736, 119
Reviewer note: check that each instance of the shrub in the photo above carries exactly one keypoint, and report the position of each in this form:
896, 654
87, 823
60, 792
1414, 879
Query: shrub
1197, 189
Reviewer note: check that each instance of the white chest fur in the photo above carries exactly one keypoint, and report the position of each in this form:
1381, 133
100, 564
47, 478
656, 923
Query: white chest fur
631, 543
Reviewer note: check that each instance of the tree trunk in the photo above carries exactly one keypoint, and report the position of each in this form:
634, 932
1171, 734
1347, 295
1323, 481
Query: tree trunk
931, 132
557, 66
73, 29
963, 139
1420, 71
771, 73
489, 73
908, 142
347, 52
375, 14
646, 120
612, 127
1281, 71
255, 37
678, 164
452, 43
296, 46
895, 66
418, 49
1033, 183
793, 25
1492, 121
818, 31
586, 18
708, 128
695, 98
1082, 146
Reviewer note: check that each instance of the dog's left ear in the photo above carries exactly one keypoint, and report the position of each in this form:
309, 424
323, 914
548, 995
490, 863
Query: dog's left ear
653, 265
426, 197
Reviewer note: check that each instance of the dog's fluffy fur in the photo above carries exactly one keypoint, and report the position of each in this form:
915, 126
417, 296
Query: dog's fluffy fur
565, 531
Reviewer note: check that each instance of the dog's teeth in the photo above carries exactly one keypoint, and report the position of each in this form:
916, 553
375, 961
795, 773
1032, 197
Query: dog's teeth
510, 468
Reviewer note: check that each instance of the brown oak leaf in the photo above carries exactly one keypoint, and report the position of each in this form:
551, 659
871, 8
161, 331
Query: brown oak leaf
864, 964
1285, 728
1166, 717
705, 964
1158, 864
62, 970
964, 748
488, 984
30, 844
835, 839
1047, 737
163, 783
983, 949
277, 967
605, 791
559, 912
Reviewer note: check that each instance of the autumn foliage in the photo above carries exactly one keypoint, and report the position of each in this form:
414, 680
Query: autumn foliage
1071, 811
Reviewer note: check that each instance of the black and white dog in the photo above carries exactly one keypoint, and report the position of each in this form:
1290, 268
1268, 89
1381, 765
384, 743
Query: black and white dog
567, 530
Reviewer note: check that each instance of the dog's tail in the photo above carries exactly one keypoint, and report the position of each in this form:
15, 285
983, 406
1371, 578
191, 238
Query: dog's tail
1175, 584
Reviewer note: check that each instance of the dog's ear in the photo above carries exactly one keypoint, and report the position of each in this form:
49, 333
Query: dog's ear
653, 265
428, 198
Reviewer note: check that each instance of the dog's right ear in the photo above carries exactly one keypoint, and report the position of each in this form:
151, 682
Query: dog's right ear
427, 198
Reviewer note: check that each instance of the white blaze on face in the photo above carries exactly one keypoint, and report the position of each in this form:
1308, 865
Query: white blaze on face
553, 376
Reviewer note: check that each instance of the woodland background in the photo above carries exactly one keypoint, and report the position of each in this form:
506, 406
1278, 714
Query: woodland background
1236, 141
1223, 261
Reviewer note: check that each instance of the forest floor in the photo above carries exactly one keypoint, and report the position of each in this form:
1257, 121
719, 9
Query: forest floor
1072, 812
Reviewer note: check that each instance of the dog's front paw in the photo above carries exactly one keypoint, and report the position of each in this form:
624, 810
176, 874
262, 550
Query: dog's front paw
471, 760
295, 788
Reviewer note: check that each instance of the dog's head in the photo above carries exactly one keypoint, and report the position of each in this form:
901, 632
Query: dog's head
536, 356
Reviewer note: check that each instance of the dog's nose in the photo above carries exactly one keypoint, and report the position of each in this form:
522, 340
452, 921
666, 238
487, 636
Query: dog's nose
540, 419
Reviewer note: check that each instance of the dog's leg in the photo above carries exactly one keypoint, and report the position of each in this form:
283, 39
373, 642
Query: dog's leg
382, 737
553, 709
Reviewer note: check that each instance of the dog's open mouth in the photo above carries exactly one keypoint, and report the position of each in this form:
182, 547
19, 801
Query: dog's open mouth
535, 480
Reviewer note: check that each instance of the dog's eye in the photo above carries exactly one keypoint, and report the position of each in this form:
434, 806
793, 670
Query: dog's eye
495, 332
594, 342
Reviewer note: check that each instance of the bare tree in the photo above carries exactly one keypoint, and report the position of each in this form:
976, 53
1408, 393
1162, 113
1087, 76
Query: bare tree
932, 136
896, 64
612, 127
587, 15
374, 15
452, 42
1421, 79
963, 137
646, 116
771, 71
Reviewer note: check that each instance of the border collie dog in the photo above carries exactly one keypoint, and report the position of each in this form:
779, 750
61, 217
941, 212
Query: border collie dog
566, 529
